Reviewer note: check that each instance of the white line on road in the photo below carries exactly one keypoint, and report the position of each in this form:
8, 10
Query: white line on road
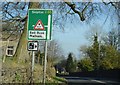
98, 81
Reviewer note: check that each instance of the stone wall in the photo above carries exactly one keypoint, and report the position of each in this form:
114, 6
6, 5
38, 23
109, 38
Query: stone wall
20, 75
23, 74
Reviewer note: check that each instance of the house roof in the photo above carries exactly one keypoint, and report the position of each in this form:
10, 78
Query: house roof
10, 36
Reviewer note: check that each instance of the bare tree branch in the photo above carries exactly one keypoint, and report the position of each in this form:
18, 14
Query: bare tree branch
72, 6
114, 4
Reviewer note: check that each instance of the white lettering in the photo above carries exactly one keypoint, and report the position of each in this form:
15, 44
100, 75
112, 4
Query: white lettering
37, 12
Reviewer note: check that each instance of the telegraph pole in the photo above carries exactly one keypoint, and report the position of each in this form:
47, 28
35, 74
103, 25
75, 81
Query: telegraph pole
98, 56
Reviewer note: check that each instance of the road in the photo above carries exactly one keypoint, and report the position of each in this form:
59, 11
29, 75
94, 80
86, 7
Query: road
89, 81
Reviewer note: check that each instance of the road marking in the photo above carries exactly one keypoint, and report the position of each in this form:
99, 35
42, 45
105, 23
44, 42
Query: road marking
98, 81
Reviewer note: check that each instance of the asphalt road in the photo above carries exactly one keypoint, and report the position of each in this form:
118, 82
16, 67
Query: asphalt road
89, 81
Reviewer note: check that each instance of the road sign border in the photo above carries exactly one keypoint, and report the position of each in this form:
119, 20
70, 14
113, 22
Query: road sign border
44, 26
37, 45
37, 31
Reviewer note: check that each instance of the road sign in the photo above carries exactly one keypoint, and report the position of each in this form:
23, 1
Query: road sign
32, 46
39, 24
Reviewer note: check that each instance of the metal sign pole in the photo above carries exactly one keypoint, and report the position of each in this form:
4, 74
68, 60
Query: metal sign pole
45, 63
33, 59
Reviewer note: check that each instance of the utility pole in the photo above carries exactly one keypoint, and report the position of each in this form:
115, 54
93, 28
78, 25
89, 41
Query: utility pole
98, 59
119, 29
98, 56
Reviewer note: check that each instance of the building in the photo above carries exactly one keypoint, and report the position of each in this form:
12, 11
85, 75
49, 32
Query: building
8, 43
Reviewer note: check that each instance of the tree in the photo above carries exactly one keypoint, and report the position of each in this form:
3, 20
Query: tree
70, 67
103, 57
113, 38
19, 18
93, 52
16, 12
109, 57
83, 11
54, 52
85, 64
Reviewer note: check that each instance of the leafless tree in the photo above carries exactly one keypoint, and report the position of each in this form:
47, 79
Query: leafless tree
16, 13
54, 52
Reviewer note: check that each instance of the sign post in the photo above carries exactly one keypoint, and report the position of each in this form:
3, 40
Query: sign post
33, 60
45, 63
40, 28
